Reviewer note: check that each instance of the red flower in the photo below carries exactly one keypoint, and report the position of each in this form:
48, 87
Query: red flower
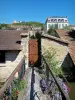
17, 92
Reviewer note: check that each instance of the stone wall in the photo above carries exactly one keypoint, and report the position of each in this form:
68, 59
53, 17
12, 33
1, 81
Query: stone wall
24, 43
61, 50
7, 68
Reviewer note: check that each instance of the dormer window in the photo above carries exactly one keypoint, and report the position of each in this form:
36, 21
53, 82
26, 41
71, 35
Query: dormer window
65, 20
59, 20
55, 20
52, 20
18, 42
62, 20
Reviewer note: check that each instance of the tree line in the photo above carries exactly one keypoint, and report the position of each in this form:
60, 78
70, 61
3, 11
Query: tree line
31, 23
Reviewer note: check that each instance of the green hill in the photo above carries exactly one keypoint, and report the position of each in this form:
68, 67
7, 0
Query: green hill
31, 23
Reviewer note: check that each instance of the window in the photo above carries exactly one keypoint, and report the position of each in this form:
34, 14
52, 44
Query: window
59, 20
55, 20
65, 24
52, 25
49, 25
62, 20
62, 25
49, 20
65, 20
52, 20
2, 56
59, 26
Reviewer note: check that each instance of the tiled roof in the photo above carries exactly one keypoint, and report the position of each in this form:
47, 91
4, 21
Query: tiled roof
65, 36
72, 50
55, 39
9, 38
58, 17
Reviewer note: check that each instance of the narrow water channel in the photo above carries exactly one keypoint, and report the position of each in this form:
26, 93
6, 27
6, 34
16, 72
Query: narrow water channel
72, 92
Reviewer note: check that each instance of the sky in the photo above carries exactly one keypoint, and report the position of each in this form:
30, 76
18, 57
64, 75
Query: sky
36, 10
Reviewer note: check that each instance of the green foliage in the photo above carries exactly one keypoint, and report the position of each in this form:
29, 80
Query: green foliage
36, 24
22, 85
55, 26
67, 28
14, 93
31, 23
20, 24
52, 32
4, 26
18, 86
50, 56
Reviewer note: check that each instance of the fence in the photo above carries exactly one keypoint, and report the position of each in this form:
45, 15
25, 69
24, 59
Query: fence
8, 84
56, 85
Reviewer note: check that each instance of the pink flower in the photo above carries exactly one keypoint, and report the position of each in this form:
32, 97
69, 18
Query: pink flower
69, 89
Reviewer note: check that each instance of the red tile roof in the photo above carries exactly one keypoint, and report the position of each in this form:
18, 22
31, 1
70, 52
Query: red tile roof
8, 39
72, 50
54, 39
65, 36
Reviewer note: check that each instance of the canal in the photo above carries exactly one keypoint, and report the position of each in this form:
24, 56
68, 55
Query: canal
72, 92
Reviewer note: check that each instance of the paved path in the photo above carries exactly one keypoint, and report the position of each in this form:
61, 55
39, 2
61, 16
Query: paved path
33, 90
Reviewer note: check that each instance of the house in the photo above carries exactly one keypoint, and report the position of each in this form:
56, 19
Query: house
13, 57
64, 35
69, 37
14, 52
56, 22
57, 44
11, 51
64, 53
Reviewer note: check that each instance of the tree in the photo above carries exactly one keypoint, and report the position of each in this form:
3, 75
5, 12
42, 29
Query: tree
4, 26
31, 23
56, 26
72, 33
20, 24
35, 24
52, 32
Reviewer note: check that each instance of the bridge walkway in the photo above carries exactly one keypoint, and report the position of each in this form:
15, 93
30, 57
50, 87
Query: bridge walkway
32, 90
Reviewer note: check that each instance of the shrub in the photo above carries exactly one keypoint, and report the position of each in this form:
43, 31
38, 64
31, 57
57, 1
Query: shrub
50, 56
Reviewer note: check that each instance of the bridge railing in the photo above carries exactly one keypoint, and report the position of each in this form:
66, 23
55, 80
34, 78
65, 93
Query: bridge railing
20, 69
50, 75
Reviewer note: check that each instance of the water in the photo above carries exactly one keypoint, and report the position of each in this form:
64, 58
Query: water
72, 92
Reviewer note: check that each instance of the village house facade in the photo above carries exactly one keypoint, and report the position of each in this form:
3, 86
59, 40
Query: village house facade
11, 51
14, 52
56, 21
64, 53
14, 45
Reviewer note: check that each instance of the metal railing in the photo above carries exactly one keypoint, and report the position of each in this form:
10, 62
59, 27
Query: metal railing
10, 79
50, 75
